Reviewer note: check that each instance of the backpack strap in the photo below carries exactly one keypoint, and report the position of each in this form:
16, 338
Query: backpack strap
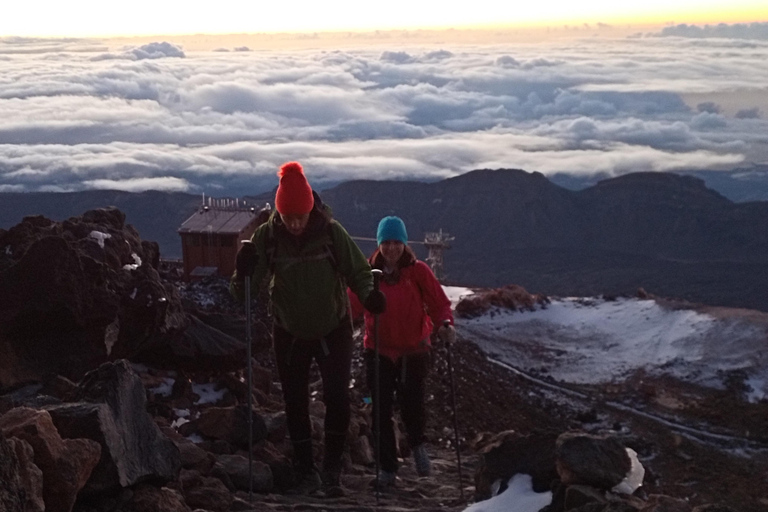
329, 251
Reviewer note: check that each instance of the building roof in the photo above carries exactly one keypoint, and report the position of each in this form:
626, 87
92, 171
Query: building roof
204, 271
218, 220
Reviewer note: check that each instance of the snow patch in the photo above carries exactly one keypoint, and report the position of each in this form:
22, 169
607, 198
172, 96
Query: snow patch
165, 388
591, 341
208, 393
456, 293
136, 262
195, 438
634, 478
179, 422
99, 237
518, 497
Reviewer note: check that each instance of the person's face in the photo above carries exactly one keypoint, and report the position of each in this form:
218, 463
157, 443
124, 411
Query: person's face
392, 250
295, 223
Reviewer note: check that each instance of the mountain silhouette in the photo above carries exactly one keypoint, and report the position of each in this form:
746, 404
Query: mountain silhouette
666, 233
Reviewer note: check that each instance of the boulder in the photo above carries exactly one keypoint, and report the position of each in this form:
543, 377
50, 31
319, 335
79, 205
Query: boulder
194, 457
230, 424
205, 492
86, 290
279, 464
111, 410
147, 498
77, 293
12, 492
30, 475
512, 297
66, 463
197, 347
509, 453
236, 467
599, 461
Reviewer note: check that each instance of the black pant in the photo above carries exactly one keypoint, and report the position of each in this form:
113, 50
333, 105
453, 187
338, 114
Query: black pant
333, 355
403, 379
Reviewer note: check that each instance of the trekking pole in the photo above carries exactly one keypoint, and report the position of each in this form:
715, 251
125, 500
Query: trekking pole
250, 381
376, 405
447, 323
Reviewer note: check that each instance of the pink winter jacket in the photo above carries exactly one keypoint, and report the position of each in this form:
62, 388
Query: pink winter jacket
415, 304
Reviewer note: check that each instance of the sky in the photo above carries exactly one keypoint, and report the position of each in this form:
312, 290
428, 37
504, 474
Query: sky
92, 18
219, 114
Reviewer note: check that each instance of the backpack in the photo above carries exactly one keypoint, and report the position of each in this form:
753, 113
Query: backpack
328, 252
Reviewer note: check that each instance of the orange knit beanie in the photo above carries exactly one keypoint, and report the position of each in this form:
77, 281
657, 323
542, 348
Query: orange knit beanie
294, 195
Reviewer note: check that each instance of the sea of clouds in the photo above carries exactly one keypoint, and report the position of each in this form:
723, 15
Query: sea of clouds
78, 115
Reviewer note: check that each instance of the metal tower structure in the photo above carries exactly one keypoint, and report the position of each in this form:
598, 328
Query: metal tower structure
436, 243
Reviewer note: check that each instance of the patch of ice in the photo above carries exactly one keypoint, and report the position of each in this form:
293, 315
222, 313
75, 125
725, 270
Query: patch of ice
136, 262
179, 422
165, 388
181, 413
594, 340
456, 293
99, 237
195, 438
208, 393
634, 478
518, 497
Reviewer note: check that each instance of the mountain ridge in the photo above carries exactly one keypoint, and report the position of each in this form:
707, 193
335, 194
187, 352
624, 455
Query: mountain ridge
667, 233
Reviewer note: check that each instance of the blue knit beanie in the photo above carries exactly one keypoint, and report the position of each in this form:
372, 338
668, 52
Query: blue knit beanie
391, 228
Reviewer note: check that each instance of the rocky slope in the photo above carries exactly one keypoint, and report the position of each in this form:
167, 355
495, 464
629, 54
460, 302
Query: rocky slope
160, 425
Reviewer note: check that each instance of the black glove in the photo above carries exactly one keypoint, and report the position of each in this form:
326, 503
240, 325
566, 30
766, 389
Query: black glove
376, 302
246, 260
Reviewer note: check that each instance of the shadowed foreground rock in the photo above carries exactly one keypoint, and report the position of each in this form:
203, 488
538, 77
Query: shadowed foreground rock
12, 493
111, 409
86, 290
66, 463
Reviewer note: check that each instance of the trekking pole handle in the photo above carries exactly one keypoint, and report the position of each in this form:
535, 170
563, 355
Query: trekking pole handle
447, 340
376, 278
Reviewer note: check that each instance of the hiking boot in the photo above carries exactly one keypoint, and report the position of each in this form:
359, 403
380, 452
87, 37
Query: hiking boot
421, 458
332, 484
386, 479
307, 481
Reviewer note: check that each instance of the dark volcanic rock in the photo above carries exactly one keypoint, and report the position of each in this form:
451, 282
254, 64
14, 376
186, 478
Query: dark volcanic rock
510, 453
66, 463
601, 462
77, 293
86, 290
12, 494
112, 411
30, 475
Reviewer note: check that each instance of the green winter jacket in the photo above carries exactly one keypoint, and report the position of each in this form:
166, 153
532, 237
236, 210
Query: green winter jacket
307, 289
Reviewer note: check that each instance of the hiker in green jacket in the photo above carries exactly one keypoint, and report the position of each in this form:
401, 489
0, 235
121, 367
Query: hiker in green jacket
311, 260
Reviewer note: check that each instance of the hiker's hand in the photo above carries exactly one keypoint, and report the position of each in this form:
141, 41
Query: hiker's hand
246, 260
375, 302
447, 333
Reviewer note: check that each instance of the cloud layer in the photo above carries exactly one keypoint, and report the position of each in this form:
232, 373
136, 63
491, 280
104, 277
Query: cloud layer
79, 116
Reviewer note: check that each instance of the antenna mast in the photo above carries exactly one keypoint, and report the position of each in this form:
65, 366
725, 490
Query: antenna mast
436, 243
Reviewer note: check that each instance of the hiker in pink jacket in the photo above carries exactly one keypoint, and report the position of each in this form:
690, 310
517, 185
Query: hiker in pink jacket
416, 307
